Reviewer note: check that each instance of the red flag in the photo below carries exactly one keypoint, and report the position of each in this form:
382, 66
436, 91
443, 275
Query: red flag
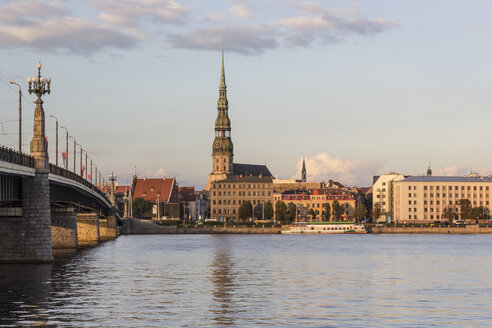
90, 176
83, 169
64, 156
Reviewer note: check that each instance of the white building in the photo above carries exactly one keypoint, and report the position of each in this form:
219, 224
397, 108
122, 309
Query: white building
382, 193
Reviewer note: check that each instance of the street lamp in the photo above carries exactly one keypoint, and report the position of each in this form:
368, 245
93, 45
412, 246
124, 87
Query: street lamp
74, 152
81, 171
20, 115
39, 146
53, 116
66, 148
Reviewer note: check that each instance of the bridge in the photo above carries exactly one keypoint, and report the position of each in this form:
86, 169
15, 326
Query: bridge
44, 206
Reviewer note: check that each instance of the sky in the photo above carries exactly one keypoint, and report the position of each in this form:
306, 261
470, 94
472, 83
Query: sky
358, 88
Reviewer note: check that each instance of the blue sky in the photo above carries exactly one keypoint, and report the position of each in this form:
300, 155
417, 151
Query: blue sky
358, 88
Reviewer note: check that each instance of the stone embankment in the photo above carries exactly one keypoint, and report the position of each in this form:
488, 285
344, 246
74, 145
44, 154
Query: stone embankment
142, 227
468, 229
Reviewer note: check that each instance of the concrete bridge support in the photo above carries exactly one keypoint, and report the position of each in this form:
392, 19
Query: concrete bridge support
27, 239
88, 229
107, 228
64, 228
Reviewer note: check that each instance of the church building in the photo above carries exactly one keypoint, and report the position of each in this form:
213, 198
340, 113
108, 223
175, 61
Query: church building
230, 180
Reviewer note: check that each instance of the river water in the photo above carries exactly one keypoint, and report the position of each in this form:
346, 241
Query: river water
258, 280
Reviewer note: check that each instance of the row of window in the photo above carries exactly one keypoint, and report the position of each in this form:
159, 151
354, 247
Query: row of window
448, 188
242, 193
242, 185
451, 195
233, 202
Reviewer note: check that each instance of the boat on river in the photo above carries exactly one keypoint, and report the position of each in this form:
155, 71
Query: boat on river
324, 228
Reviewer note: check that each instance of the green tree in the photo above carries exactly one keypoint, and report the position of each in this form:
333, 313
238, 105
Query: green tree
360, 212
327, 214
280, 210
337, 210
313, 213
245, 210
141, 207
449, 213
465, 209
268, 210
376, 211
480, 213
291, 212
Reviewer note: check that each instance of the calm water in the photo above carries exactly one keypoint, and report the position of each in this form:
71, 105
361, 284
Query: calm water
258, 280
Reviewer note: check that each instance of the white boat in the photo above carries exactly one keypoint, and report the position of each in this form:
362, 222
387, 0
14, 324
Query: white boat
324, 228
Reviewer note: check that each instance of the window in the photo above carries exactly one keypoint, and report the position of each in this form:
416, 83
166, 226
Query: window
409, 195
437, 187
475, 188
409, 187
384, 203
384, 183
214, 202
468, 188
220, 202
409, 209
409, 202
425, 187
414, 187
425, 202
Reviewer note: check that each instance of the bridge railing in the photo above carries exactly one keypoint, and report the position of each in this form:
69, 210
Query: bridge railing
12, 156
73, 176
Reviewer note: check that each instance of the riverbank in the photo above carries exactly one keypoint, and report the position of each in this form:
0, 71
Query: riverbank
144, 227
140, 227
468, 229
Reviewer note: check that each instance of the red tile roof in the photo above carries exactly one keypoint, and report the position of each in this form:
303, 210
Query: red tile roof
153, 189
122, 189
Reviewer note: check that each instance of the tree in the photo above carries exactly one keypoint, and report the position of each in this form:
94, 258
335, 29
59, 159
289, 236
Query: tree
449, 213
376, 211
480, 213
337, 210
280, 210
327, 214
360, 212
245, 210
465, 209
268, 210
292, 212
313, 213
141, 207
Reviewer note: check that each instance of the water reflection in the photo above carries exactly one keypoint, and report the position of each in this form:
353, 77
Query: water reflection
222, 278
24, 294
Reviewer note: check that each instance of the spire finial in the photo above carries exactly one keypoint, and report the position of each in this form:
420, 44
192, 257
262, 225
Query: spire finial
429, 171
222, 72
303, 172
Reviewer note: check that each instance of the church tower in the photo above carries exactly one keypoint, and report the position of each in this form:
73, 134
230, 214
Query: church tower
222, 148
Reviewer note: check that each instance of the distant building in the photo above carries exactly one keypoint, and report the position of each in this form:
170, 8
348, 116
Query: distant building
424, 198
382, 193
231, 184
315, 199
163, 193
282, 185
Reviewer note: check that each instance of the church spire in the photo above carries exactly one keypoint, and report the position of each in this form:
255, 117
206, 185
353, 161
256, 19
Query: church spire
303, 172
222, 74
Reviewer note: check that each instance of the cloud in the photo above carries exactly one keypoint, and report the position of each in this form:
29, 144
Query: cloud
456, 170
240, 11
24, 12
211, 17
248, 40
70, 33
155, 173
323, 167
129, 13
328, 26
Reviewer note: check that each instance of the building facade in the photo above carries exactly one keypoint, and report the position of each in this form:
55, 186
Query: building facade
424, 198
316, 199
227, 196
382, 193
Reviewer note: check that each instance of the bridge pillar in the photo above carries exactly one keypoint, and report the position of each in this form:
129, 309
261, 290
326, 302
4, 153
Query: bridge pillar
107, 228
64, 227
27, 239
88, 229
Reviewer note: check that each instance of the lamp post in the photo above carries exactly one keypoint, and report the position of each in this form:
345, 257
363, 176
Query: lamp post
81, 171
96, 174
86, 169
39, 146
91, 170
56, 146
74, 152
20, 115
66, 148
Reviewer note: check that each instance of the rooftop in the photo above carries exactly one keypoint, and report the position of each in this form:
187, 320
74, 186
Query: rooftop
445, 179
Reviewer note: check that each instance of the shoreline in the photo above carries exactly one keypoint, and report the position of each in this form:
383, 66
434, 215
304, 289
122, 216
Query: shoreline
138, 227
